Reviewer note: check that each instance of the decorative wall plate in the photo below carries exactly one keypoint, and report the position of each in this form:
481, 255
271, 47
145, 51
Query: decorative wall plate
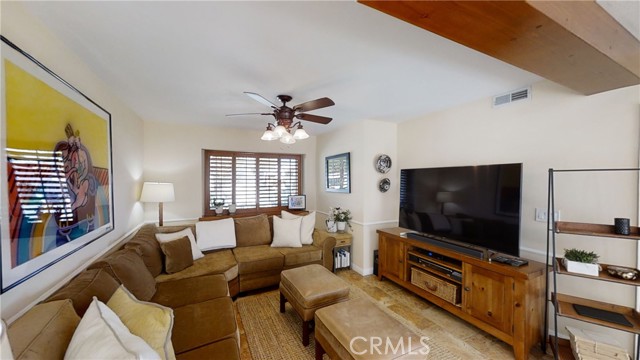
384, 185
383, 164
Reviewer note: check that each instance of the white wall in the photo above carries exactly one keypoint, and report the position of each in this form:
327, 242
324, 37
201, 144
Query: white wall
371, 209
557, 129
173, 153
26, 32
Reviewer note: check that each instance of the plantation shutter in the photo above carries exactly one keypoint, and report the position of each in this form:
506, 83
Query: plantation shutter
255, 182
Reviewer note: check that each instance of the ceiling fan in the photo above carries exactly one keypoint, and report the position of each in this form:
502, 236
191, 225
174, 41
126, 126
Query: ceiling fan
285, 116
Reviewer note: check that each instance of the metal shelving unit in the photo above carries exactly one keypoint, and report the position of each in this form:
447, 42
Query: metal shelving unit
563, 303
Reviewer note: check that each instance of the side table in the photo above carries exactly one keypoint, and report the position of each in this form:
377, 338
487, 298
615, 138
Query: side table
342, 250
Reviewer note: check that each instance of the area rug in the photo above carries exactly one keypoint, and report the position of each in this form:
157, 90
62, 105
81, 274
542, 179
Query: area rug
272, 335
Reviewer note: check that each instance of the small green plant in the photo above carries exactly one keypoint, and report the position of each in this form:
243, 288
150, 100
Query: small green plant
582, 256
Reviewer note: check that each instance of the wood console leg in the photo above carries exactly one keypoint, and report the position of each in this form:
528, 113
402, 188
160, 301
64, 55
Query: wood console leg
306, 329
319, 350
283, 300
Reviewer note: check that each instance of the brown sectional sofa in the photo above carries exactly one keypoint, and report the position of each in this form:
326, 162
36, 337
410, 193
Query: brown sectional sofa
200, 295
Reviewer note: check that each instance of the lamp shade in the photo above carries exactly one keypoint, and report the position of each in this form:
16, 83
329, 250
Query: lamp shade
269, 135
444, 196
157, 192
300, 134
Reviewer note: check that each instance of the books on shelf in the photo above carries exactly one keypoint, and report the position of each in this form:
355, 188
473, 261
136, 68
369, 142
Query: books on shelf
342, 259
588, 345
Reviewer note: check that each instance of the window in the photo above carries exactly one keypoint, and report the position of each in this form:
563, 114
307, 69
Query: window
255, 182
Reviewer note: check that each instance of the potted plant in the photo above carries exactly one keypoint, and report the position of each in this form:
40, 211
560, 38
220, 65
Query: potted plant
341, 217
581, 261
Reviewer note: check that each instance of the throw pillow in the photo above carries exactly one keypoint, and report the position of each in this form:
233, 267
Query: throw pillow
177, 255
128, 268
195, 251
307, 227
216, 234
102, 335
286, 233
82, 289
152, 322
253, 230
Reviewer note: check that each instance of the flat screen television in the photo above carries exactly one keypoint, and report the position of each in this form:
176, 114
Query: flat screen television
476, 205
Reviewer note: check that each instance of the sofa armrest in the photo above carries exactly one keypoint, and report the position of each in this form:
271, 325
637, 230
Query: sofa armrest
326, 243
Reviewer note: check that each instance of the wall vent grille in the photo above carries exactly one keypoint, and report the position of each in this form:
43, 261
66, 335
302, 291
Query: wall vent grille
513, 96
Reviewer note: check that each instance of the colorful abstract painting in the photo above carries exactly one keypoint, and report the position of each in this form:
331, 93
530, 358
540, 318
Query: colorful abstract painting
56, 168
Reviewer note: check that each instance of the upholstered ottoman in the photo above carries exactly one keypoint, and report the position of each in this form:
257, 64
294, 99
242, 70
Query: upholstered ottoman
309, 288
358, 329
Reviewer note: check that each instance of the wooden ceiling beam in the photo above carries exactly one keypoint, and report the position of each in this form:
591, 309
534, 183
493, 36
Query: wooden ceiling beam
574, 43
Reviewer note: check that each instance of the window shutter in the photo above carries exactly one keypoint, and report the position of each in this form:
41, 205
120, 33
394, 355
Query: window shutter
246, 183
289, 184
220, 179
268, 184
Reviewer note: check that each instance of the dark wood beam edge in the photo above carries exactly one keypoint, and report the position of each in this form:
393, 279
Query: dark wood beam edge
519, 34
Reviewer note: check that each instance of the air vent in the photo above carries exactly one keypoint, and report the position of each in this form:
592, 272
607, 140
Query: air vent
516, 95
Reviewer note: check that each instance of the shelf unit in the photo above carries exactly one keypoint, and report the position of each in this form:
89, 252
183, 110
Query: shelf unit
563, 303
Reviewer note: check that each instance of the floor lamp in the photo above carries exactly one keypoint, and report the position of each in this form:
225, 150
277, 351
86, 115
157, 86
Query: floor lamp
157, 192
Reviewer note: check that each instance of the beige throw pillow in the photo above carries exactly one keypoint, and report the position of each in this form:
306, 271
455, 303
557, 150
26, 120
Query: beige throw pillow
152, 322
307, 227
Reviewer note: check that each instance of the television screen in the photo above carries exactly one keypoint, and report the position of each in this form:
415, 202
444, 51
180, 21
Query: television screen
478, 205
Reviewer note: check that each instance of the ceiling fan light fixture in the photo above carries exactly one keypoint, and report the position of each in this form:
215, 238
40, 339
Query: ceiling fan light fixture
300, 133
287, 139
269, 135
280, 131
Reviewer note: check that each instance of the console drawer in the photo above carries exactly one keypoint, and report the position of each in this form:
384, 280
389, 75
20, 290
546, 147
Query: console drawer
438, 287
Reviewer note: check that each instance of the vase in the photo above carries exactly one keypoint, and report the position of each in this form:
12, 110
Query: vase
232, 209
219, 210
342, 225
331, 226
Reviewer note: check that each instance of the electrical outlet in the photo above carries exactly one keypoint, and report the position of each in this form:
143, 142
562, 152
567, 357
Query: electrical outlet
541, 215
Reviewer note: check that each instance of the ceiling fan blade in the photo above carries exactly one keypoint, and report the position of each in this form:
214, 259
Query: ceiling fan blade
249, 114
314, 118
314, 104
259, 98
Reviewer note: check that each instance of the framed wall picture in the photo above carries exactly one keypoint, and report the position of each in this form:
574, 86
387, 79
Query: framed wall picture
56, 178
297, 202
338, 173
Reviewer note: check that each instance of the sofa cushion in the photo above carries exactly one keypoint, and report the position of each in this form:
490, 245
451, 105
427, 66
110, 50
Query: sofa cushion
43, 332
81, 289
200, 324
102, 335
258, 258
307, 227
217, 262
308, 254
195, 251
127, 267
147, 245
177, 255
216, 234
152, 322
253, 230
227, 349
177, 293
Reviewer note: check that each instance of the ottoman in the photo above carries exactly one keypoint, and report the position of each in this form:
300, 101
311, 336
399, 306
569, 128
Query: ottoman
358, 329
309, 288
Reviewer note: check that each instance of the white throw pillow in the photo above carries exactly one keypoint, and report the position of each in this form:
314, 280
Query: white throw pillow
102, 335
307, 227
286, 232
195, 251
216, 234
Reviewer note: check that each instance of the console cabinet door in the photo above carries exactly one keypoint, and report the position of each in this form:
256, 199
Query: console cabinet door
488, 296
391, 259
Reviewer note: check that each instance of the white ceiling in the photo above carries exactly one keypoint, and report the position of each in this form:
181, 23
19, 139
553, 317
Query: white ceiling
189, 62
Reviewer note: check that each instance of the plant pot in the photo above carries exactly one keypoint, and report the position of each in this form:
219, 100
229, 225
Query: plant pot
331, 226
581, 268
342, 226
219, 210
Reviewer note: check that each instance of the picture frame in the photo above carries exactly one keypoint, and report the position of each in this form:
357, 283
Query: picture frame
338, 173
56, 186
297, 202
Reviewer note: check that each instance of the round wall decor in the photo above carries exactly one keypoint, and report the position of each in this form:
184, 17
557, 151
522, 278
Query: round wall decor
383, 164
384, 185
